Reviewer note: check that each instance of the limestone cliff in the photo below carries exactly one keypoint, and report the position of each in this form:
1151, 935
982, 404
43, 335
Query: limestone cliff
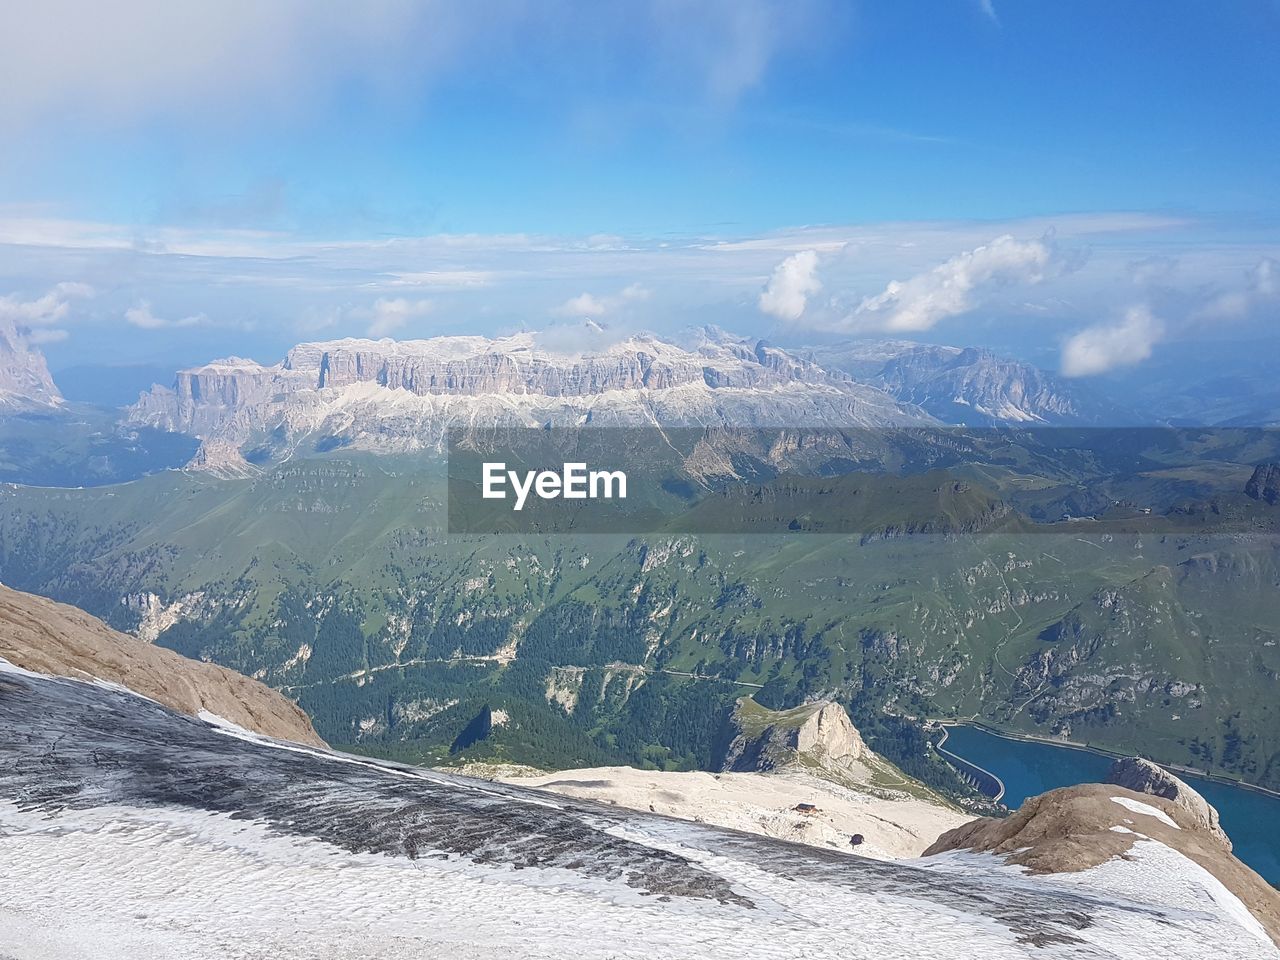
24, 375
389, 396
814, 734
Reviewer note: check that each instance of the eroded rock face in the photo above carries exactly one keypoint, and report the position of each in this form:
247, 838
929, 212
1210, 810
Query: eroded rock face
966, 385
1076, 828
222, 459
820, 733
1264, 485
1143, 776
830, 732
24, 375
389, 395
39, 635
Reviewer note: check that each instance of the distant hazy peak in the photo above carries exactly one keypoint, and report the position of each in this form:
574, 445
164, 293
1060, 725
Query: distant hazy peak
24, 375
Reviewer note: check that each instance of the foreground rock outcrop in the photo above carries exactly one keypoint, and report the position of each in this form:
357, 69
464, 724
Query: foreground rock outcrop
1143, 776
51, 638
1075, 829
127, 831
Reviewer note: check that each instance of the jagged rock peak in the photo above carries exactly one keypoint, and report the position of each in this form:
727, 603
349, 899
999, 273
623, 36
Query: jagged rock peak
25, 380
816, 733
221, 458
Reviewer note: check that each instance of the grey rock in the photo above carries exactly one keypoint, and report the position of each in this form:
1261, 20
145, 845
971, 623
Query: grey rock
1264, 485
25, 381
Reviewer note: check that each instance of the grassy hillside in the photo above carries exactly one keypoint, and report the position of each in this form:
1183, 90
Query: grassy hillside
335, 581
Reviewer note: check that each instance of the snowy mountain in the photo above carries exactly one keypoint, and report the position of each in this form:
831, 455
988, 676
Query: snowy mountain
390, 396
129, 830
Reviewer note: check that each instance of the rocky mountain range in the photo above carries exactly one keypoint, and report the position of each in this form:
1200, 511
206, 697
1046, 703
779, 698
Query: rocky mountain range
395, 396
389, 396
969, 385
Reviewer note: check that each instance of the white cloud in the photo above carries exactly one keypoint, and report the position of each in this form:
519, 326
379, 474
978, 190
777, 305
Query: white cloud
389, 314
47, 335
46, 310
1262, 286
133, 60
589, 305
444, 279
954, 287
141, 316
584, 304
988, 9
794, 280
1100, 348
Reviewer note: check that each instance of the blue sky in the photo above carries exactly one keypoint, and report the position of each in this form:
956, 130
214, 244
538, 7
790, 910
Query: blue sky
239, 176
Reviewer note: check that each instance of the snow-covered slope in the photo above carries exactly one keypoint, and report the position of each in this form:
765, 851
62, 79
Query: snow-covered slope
893, 822
128, 830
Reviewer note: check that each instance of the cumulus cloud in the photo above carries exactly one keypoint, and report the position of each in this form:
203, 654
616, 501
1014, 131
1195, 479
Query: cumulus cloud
583, 304
589, 305
792, 283
389, 314
45, 310
38, 318
1261, 287
1100, 348
954, 287
141, 316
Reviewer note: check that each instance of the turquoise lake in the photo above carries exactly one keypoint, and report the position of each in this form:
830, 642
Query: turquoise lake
1251, 819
